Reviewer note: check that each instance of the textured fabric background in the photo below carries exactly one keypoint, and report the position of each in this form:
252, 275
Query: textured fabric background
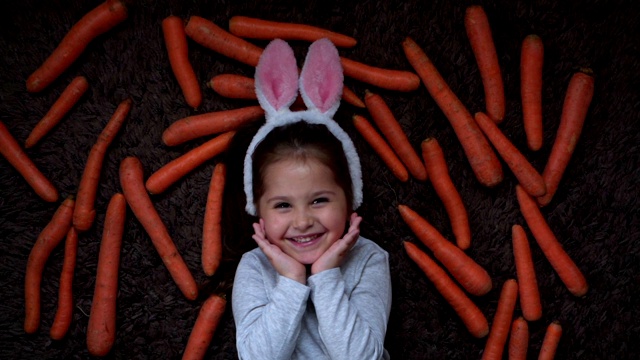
594, 213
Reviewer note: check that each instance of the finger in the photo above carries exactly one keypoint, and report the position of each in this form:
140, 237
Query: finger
354, 216
271, 251
355, 223
351, 237
340, 248
262, 243
258, 229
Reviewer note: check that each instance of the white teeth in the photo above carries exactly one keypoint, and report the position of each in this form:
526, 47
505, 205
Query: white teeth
302, 240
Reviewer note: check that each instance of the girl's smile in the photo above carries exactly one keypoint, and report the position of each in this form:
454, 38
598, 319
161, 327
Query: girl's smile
303, 208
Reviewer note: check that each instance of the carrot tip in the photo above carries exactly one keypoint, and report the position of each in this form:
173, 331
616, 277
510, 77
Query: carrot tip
56, 337
31, 329
192, 296
482, 333
586, 71
580, 292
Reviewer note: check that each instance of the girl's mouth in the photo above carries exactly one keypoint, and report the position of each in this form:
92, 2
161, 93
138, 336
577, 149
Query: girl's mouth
304, 239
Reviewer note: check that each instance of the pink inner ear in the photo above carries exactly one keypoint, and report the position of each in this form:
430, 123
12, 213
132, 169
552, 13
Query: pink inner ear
322, 78
277, 74
276, 89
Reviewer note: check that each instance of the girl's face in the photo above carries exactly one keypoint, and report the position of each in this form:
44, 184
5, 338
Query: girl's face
303, 208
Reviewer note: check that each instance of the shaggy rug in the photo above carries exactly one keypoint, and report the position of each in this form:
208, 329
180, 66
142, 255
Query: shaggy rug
594, 214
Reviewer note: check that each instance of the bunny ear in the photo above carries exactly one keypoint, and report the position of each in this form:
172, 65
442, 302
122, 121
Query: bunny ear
321, 83
276, 77
321, 79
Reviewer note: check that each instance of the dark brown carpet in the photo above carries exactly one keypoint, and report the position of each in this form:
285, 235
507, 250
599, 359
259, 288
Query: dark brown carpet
594, 213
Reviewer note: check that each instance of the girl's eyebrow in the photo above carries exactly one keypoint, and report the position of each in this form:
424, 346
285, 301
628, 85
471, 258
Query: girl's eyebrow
277, 198
314, 194
323, 192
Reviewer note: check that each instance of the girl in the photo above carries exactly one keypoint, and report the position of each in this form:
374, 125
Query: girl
313, 288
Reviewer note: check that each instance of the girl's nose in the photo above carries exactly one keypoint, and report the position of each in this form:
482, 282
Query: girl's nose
302, 220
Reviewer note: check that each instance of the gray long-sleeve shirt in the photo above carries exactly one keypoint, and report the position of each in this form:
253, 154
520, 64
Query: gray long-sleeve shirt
341, 313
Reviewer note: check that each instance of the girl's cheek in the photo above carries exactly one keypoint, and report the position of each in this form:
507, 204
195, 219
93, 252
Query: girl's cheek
274, 229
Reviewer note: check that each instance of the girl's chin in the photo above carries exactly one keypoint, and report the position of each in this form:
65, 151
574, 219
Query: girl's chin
307, 259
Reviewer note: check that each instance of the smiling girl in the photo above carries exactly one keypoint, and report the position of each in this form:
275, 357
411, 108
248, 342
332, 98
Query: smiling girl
313, 288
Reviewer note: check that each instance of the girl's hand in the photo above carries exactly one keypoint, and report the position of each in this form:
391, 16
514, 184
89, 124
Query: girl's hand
335, 254
284, 264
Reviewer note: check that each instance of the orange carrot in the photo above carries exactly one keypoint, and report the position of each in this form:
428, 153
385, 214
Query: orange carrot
205, 327
471, 316
479, 33
101, 329
529, 293
49, 238
438, 171
380, 146
102, 18
253, 28
395, 135
84, 213
11, 150
465, 270
131, 180
212, 231
527, 175
175, 40
567, 270
233, 86
350, 97
213, 37
195, 126
67, 99
550, 342
499, 332
389, 79
574, 112
64, 313
481, 157
177, 168
243, 87
519, 340
531, 61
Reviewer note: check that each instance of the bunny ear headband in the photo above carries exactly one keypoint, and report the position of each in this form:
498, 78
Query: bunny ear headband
320, 83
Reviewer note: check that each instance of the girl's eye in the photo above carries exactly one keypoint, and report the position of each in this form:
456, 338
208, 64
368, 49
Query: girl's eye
320, 200
282, 205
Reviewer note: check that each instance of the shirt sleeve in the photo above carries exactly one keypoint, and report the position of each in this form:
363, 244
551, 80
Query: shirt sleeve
353, 326
267, 324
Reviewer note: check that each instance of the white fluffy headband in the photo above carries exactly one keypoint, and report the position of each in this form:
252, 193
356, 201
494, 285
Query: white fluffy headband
320, 83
